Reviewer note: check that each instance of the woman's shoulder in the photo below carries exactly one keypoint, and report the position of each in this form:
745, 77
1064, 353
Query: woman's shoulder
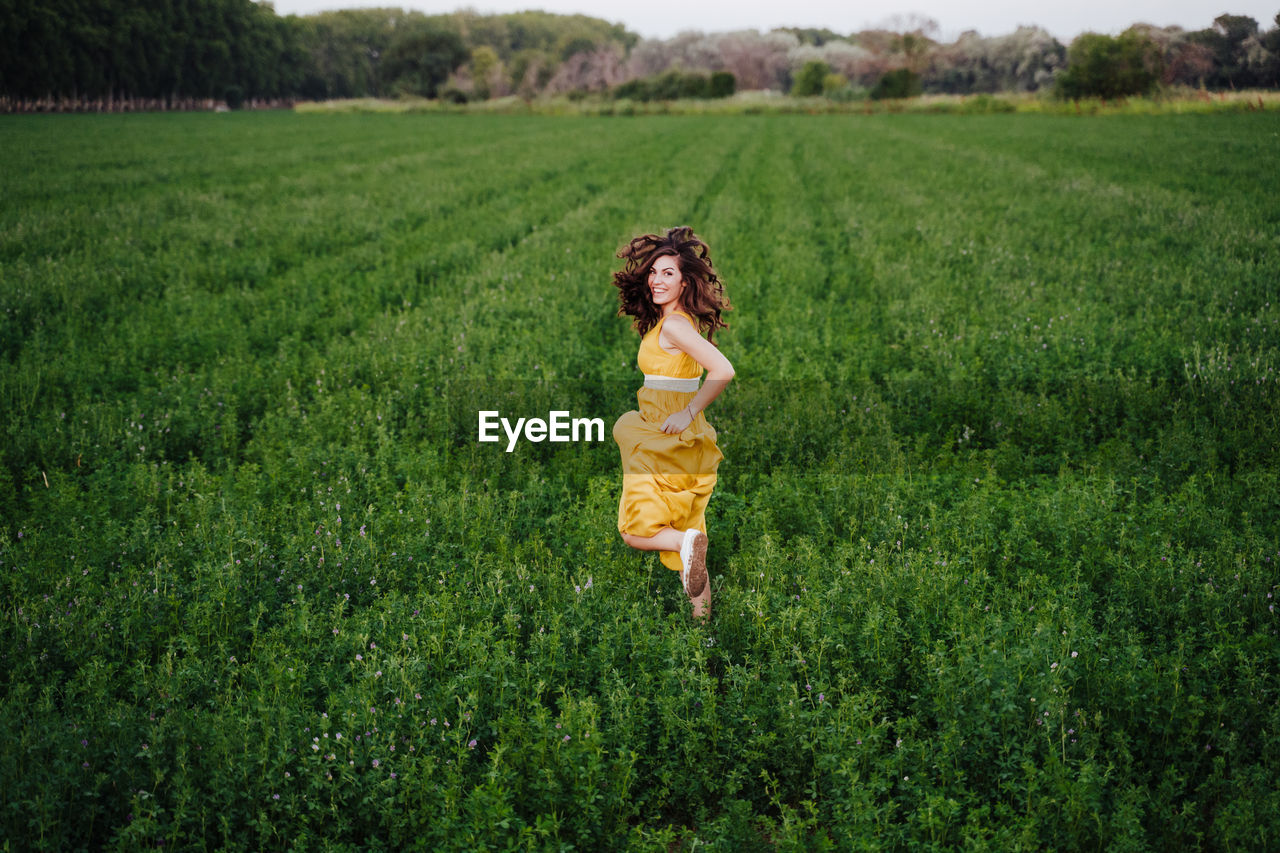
679, 332
683, 325
681, 317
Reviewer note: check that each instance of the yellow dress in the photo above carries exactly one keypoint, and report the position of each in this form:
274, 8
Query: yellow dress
667, 478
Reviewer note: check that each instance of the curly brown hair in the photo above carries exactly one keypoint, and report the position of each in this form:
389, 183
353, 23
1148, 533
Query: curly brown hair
703, 296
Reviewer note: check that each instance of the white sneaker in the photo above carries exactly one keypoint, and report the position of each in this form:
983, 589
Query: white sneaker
693, 559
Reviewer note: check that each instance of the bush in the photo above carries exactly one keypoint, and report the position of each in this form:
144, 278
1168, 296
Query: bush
810, 80
633, 90
986, 104
833, 83
672, 85
848, 94
900, 83
453, 95
675, 84
1104, 67
234, 97
723, 84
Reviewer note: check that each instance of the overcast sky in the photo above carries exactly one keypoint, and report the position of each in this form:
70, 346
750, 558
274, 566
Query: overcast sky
665, 18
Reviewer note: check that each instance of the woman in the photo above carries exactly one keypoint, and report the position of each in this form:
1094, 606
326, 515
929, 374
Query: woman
669, 453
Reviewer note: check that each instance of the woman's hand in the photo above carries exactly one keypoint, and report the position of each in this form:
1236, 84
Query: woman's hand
679, 422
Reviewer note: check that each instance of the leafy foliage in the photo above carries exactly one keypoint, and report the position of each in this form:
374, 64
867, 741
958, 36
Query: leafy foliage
810, 80
1025, 60
59, 48
419, 62
101, 54
994, 545
899, 83
721, 84
672, 85
161, 50
1228, 41
1101, 66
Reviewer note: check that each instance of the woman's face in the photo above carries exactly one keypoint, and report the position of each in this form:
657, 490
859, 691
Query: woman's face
665, 282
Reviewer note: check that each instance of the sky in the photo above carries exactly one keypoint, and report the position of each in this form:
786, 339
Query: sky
665, 18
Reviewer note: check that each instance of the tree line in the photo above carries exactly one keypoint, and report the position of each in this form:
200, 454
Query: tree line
1233, 53
194, 53
172, 53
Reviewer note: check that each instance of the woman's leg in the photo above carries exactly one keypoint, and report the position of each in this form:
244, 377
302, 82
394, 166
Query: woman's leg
702, 603
670, 539
666, 539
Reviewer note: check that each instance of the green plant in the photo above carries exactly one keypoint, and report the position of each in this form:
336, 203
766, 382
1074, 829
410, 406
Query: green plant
899, 83
722, 84
993, 546
810, 79
1105, 67
419, 60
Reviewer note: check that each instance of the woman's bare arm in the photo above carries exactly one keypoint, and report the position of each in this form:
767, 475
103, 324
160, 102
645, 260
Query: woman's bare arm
680, 332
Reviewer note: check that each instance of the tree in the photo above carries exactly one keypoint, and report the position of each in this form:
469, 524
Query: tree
530, 70
420, 61
899, 83
914, 48
346, 48
1187, 63
594, 70
1269, 72
721, 84
1229, 40
175, 50
835, 85
811, 35
484, 64
1105, 67
757, 61
810, 79
1026, 60
856, 63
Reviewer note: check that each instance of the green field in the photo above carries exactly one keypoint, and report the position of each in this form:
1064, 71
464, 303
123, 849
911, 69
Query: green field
994, 547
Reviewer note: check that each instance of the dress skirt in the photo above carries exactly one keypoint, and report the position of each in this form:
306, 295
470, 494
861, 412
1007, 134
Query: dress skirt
667, 478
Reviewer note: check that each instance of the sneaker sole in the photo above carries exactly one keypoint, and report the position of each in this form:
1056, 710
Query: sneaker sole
698, 566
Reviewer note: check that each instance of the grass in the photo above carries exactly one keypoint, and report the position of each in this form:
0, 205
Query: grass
994, 544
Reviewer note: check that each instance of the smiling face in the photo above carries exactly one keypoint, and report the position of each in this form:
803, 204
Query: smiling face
665, 283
